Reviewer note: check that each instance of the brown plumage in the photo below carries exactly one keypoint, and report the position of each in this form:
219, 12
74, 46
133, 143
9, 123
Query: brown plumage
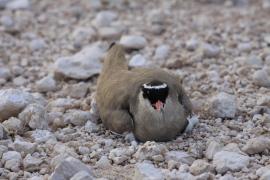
123, 106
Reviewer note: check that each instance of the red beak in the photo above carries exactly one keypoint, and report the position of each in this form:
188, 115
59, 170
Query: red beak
158, 105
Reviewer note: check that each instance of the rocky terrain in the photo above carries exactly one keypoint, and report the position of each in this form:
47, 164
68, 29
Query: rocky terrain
51, 53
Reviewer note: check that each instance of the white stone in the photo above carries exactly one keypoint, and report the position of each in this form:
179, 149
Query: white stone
84, 150
78, 90
147, 171
105, 18
81, 65
263, 172
150, 149
37, 44
192, 44
3, 149
5, 73
12, 102
257, 145
95, 4
12, 160
162, 52
200, 166
223, 105
68, 168
254, 61
82, 36
103, 162
77, 117
119, 155
31, 163
192, 122
91, 127
41, 136
24, 146
179, 156
35, 116
229, 161
14, 125
18, 4
266, 4
212, 149
46, 84
82, 175
137, 61
210, 51
109, 33
261, 78
244, 47
133, 41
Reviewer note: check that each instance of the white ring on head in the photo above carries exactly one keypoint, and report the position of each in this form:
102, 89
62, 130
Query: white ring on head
162, 86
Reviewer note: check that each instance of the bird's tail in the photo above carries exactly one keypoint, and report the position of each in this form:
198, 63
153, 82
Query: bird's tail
115, 59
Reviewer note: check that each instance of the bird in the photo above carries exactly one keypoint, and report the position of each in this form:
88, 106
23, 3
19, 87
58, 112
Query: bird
149, 102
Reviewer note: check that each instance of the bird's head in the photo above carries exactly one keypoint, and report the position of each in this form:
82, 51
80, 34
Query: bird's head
156, 93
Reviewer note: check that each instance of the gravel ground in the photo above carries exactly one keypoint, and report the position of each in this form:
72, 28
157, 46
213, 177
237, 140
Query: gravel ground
51, 53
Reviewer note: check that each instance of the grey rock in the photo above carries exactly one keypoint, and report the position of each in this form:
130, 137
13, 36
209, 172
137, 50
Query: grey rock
223, 105
150, 149
12, 160
82, 175
3, 3
261, 78
76, 90
37, 44
18, 4
264, 100
68, 168
105, 18
162, 52
103, 162
46, 84
179, 156
137, 61
14, 125
145, 171
35, 116
95, 4
31, 163
119, 155
200, 166
133, 41
266, 4
91, 127
210, 51
5, 73
41, 136
212, 149
12, 102
257, 145
77, 117
23, 146
83, 150
82, 65
263, 172
3, 149
109, 33
244, 47
82, 36
229, 161
192, 44
254, 61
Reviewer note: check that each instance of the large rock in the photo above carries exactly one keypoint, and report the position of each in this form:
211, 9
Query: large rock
212, 148
81, 65
179, 156
223, 105
14, 125
35, 116
12, 160
46, 84
13, 101
31, 163
105, 18
200, 166
145, 171
23, 146
119, 155
261, 78
230, 161
257, 145
68, 168
18, 4
133, 42
77, 117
